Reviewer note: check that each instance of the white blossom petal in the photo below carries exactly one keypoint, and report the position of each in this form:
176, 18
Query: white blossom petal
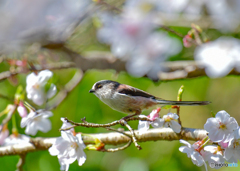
157, 123
196, 157
36, 87
175, 126
143, 125
221, 127
36, 121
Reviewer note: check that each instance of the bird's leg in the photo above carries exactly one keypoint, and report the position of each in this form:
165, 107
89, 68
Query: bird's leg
138, 112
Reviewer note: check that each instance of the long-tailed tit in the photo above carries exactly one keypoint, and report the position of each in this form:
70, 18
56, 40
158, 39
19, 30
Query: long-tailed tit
127, 99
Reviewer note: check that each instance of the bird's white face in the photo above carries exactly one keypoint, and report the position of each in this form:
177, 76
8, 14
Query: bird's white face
103, 89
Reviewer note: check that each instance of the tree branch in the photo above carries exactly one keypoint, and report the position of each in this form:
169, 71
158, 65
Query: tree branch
112, 138
52, 66
173, 70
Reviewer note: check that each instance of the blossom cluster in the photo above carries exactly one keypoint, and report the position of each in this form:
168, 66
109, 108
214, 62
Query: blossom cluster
134, 37
39, 90
224, 132
68, 147
168, 120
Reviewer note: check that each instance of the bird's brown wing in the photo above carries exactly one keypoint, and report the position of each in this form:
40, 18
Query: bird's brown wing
131, 91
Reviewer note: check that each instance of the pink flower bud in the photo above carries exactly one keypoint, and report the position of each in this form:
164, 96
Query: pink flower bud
22, 110
187, 41
154, 114
3, 134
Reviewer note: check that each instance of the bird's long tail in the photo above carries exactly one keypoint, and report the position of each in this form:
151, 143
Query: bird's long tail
183, 103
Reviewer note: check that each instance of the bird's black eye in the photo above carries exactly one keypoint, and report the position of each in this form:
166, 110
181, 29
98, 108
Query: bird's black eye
99, 86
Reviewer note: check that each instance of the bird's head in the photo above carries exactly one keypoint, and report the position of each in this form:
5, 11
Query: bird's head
104, 87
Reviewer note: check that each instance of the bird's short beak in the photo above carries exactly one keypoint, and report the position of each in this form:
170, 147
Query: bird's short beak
91, 91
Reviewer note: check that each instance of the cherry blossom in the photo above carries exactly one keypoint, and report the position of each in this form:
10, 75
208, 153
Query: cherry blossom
37, 120
68, 148
232, 153
36, 87
193, 153
169, 121
221, 128
214, 155
153, 116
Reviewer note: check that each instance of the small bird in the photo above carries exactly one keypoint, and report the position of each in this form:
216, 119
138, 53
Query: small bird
130, 100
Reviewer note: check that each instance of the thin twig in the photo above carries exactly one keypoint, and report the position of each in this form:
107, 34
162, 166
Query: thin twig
53, 66
178, 113
119, 148
109, 6
116, 130
21, 162
9, 116
134, 139
168, 29
93, 125
6, 98
107, 126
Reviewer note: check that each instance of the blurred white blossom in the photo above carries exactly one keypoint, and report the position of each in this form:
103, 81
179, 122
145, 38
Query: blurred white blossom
220, 56
133, 38
223, 13
16, 139
27, 21
221, 128
36, 87
37, 120
68, 148
150, 53
125, 32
